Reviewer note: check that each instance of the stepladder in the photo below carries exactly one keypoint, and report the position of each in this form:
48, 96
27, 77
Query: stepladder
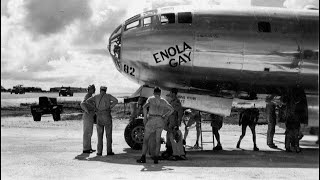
205, 130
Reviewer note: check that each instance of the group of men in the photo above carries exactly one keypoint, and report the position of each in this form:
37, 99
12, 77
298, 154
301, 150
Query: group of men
97, 108
160, 114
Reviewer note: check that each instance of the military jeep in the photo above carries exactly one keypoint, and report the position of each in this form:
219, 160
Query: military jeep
46, 106
65, 91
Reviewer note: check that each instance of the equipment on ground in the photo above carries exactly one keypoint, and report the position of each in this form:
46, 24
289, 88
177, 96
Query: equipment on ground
46, 106
65, 91
17, 90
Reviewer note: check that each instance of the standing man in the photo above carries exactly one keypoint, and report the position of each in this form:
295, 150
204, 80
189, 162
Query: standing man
271, 118
216, 124
159, 110
88, 118
172, 127
249, 117
194, 117
104, 103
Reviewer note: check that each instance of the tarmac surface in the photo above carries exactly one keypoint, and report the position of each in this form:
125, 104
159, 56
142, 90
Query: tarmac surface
53, 150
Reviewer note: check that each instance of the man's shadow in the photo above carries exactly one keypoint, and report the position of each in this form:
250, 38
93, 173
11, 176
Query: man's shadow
154, 167
82, 156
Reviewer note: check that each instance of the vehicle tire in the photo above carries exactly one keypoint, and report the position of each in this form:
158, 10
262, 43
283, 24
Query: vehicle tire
71, 94
134, 133
36, 116
56, 116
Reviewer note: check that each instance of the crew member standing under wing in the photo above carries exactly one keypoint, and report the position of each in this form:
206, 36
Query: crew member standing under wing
174, 147
159, 110
194, 117
271, 118
216, 124
249, 117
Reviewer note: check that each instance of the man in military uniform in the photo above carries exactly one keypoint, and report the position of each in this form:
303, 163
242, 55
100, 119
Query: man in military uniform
159, 110
292, 136
249, 117
194, 117
88, 118
271, 118
104, 103
172, 127
216, 124
296, 112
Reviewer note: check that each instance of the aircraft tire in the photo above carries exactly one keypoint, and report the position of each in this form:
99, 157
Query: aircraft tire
56, 116
134, 133
36, 116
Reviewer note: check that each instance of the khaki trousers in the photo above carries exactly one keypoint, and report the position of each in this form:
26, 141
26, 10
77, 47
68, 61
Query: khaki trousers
271, 118
100, 132
87, 130
177, 147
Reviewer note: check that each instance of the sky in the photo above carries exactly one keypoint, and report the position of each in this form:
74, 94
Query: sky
50, 43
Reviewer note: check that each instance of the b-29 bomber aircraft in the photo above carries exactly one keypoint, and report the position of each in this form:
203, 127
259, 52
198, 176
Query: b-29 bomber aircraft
213, 55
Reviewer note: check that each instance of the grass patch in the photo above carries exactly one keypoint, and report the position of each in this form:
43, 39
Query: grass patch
73, 111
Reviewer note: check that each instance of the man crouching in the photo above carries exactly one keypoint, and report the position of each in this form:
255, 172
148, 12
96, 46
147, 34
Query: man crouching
158, 112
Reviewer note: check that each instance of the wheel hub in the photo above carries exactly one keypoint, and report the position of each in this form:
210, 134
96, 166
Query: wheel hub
137, 134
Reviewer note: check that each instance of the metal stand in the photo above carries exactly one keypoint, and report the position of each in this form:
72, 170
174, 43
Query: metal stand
205, 131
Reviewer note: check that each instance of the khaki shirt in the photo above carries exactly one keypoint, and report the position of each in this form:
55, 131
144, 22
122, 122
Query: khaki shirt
176, 104
84, 105
158, 106
102, 101
195, 115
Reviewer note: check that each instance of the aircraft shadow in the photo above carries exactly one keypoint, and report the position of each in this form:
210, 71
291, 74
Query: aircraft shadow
308, 158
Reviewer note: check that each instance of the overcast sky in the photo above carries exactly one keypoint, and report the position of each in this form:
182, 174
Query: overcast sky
50, 43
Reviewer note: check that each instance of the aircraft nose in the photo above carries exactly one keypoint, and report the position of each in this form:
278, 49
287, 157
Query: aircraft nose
114, 46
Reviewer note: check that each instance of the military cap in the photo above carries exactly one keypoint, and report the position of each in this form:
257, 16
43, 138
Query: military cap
103, 88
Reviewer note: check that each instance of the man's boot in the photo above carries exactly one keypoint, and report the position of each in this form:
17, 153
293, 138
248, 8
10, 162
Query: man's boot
142, 159
288, 150
218, 147
298, 149
155, 160
255, 148
273, 146
196, 146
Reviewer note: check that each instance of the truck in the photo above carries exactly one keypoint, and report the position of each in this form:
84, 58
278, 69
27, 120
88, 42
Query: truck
65, 91
17, 90
47, 106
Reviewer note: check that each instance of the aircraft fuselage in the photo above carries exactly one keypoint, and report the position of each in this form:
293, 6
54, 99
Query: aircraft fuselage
259, 49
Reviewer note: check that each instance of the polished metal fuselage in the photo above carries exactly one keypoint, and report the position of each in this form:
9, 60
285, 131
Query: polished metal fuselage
223, 49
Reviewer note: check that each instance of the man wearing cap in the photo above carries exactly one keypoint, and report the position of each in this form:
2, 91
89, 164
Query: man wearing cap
88, 118
194, 116
159, 110
103, 103
271, 119
174, 148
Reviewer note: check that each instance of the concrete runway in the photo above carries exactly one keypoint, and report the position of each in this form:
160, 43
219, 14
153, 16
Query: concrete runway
53, 150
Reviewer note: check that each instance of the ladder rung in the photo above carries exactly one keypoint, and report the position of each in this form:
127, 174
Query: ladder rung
206, 131
207, 142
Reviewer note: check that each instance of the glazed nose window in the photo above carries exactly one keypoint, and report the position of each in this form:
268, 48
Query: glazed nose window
115, 46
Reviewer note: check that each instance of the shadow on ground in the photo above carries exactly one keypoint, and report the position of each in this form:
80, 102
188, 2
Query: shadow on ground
308, 158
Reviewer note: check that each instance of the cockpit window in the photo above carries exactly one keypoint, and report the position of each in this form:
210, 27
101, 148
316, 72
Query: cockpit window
132, 25
147, 21
185, 17
168, 18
